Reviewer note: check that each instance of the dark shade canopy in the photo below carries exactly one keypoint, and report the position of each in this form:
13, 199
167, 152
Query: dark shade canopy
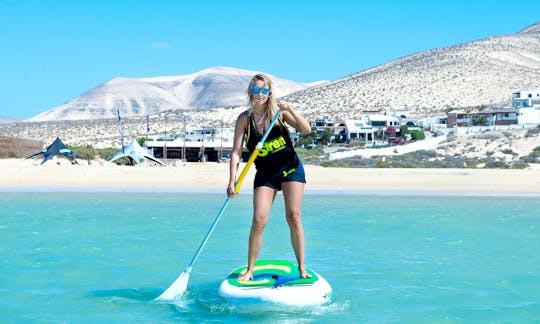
56, 148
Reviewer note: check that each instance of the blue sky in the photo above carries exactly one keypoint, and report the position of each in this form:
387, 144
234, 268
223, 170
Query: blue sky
53, 51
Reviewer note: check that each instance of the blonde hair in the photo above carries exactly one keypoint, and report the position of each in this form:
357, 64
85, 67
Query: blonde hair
271, 105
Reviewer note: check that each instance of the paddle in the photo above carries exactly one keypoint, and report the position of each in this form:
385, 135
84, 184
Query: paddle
179, 286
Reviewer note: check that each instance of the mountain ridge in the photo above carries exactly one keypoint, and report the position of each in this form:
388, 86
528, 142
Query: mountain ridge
208, 88
479, 73
534, 28
6, 120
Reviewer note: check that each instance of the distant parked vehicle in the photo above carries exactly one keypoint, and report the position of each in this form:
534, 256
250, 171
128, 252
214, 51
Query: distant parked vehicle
393, 140
378, 144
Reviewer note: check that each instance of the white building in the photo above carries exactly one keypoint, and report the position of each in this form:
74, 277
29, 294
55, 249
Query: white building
359, 130
528, 105
207, 135
379, 120
401, 113
526, 99
529, 115
434, 123
335, 126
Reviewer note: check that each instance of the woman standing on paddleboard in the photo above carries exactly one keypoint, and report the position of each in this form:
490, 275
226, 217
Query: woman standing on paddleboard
278, 166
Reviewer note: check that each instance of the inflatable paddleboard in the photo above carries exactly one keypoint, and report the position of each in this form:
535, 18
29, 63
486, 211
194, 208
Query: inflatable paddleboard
275, 283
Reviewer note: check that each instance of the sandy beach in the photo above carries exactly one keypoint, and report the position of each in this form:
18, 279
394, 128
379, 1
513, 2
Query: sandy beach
28, 175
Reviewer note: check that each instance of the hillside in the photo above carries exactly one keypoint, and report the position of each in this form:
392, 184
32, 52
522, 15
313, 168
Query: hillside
480, 73
516, 148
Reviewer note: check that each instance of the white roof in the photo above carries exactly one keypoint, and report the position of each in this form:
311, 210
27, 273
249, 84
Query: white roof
381, 117
136, 152
357, 126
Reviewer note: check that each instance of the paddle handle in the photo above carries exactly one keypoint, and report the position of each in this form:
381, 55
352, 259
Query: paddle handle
245, 171
255, 153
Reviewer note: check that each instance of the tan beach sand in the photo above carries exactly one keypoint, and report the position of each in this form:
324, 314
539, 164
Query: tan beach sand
16, 174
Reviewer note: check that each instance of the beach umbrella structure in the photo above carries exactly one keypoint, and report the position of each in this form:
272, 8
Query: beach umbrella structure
135, 152
56, 148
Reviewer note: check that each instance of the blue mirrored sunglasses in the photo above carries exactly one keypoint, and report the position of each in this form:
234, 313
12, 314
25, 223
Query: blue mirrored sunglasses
256, 90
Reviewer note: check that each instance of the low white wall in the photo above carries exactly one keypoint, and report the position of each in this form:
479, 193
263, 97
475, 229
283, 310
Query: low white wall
479, 129
427, 144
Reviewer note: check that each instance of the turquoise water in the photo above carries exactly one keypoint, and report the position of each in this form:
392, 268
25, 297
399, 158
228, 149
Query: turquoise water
103, 257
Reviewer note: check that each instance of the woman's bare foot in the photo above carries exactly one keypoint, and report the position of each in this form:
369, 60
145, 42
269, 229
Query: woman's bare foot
304, 274
248, 275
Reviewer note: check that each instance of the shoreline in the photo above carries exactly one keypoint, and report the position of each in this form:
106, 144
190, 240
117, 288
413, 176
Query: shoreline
28, 176
307, 193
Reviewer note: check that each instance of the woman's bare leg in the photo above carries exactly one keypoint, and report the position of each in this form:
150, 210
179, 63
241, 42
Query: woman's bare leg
293, 193
262, 202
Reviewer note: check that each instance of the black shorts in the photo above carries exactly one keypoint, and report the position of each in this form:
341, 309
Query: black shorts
275, 181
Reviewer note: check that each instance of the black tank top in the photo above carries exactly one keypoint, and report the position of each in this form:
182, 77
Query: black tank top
277, 154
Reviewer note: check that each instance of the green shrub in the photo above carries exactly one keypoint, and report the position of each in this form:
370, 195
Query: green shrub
532, 132
88, 152
142, 140
509, 151
335, 164
488, 136
519, 164
417, 135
